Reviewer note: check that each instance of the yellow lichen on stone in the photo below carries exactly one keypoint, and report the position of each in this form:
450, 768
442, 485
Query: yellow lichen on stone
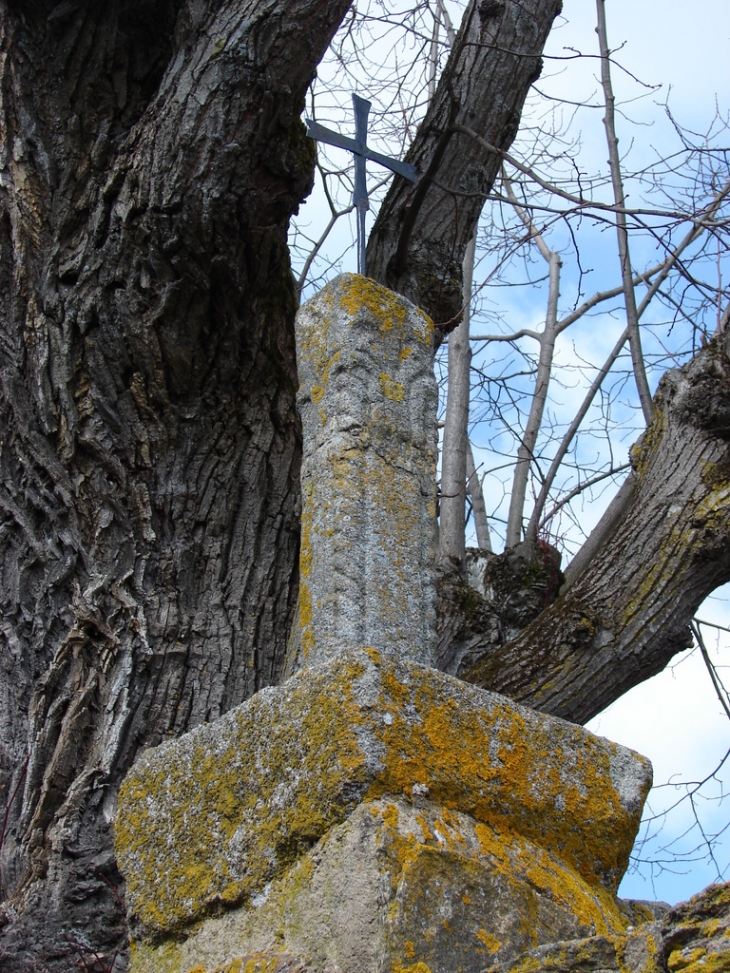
592, 905
451, 751
318, 390
208, 799
704, 963
710, 927
686, 959
491, 942
391, 390
305, 619
363, 294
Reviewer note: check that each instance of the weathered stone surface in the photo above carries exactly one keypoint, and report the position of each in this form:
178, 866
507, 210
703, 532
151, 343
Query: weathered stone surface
368, 400
261, 962
693, 937
403, 882
208, 821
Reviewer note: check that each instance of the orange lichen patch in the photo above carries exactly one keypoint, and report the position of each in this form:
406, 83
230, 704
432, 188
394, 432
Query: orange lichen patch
429, 879
512, 854
360, 295
405, 848
399, 967
492, 944
548, 780
390, 815
363, 294
390, 389
319, 389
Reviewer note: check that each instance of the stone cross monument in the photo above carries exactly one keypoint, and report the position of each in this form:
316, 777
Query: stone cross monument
371, 814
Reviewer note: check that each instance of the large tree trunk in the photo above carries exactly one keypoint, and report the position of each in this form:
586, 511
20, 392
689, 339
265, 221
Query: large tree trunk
625, 612
151, 155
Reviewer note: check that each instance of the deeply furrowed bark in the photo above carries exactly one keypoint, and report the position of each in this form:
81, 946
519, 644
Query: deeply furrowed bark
151, 157
419, 238
627, 612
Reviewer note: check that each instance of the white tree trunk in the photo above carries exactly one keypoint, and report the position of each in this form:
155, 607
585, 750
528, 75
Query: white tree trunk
456, 437
478, 507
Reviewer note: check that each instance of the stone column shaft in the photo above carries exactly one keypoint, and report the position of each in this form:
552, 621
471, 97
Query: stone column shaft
368, 401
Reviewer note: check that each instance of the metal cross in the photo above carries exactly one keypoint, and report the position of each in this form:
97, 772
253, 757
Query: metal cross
358, 146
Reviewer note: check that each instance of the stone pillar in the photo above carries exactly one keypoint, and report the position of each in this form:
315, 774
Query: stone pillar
368, 401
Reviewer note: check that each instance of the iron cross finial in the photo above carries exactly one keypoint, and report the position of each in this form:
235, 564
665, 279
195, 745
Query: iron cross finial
359, 147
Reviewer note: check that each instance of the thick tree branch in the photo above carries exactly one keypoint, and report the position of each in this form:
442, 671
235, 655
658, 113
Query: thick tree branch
628, 611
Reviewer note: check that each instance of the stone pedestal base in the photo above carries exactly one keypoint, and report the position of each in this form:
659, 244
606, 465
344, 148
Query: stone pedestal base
373, 815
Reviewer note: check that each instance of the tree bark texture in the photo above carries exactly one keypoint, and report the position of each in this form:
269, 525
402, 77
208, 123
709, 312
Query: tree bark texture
419, 238
624, 616
151, 157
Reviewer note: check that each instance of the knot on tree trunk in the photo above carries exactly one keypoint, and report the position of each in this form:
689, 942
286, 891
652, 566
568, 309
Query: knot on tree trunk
699, 393
501, 594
